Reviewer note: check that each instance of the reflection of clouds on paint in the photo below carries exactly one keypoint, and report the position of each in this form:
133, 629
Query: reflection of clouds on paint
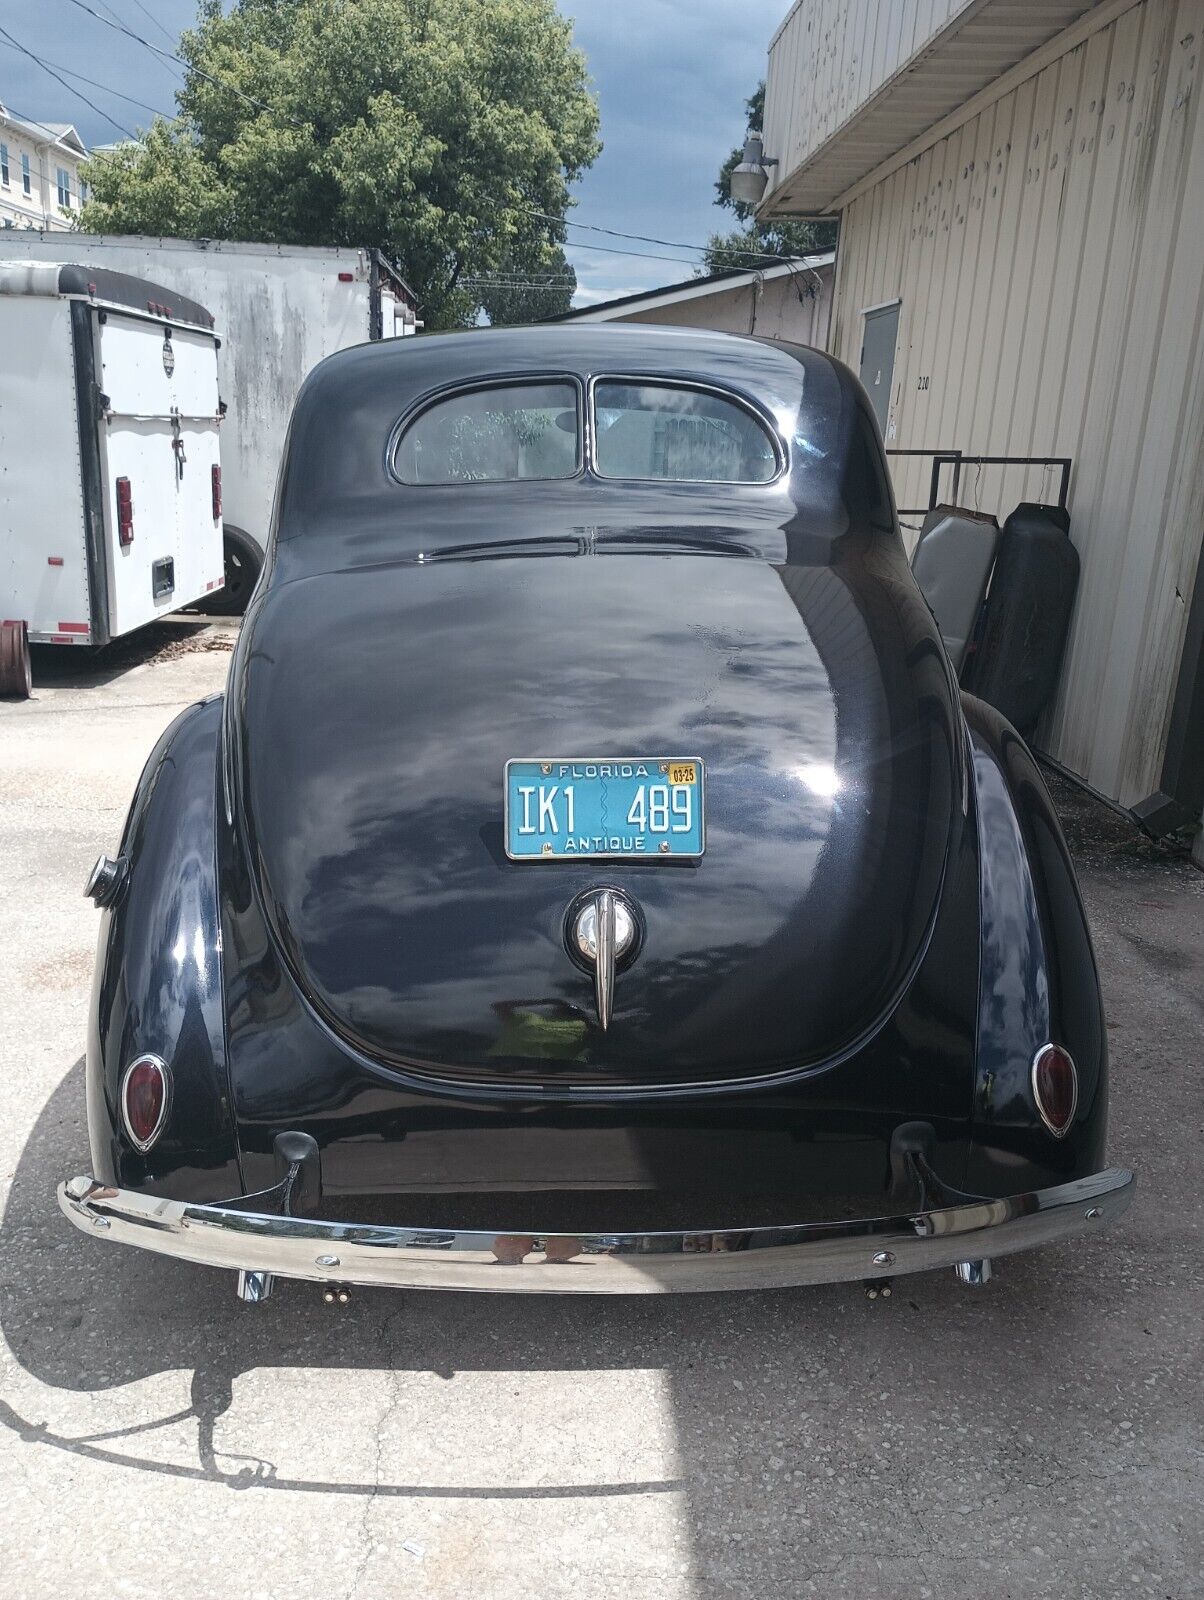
380, 834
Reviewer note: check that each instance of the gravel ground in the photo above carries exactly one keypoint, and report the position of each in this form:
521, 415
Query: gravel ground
1039, 1437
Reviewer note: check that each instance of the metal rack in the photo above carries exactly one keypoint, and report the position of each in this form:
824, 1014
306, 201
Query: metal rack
957, 459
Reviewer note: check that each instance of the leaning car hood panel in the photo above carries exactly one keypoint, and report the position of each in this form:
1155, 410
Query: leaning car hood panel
377, 709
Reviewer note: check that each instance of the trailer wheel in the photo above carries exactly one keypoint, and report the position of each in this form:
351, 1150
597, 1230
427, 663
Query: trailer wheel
16, 679
243, 561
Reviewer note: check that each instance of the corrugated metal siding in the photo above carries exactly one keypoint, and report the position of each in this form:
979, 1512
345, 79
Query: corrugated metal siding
830, 56
783, 309
851, 82
1049, 256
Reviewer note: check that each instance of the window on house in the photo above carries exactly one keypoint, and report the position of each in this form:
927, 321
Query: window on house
4, 164
25, 184
63, 178
83, 193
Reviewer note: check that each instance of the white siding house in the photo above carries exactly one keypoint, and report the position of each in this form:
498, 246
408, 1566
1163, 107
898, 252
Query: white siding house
39, 173
1021, 272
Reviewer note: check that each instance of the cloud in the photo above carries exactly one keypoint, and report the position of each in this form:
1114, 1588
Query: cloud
671, 75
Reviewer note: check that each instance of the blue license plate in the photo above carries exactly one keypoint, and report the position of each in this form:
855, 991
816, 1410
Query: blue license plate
644, 809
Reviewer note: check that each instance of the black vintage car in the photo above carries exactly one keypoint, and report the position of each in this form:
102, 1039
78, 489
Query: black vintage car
592, 878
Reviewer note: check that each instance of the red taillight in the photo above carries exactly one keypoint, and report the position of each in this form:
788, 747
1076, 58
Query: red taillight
144, 1100
215, 476
1055, 1087
346, 277
125, 512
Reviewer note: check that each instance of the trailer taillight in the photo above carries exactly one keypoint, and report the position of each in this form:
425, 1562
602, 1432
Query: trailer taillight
215, 474
125, 512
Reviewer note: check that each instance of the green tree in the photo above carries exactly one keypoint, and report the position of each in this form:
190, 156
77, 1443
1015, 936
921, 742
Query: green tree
778, 236
433, 128
529, 288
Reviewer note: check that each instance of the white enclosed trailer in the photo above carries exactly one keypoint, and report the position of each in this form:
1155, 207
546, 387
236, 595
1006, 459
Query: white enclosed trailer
110, 474
281, 309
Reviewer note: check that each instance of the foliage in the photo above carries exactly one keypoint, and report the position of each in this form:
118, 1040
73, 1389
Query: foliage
432, 128
542, 285
778, 236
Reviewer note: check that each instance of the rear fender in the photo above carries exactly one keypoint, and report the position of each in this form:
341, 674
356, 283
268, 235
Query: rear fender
158, 983
1038, 979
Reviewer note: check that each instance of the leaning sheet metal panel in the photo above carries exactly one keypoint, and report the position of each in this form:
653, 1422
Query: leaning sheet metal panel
43, 553
1048, 254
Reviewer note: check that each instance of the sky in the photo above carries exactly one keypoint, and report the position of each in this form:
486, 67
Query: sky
671, 78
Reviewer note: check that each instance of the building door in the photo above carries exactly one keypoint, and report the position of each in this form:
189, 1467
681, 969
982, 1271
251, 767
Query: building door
878, 357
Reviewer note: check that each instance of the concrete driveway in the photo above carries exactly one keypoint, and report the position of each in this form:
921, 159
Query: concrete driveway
1040, 1437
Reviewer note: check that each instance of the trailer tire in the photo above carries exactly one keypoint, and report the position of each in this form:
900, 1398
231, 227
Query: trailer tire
243, 563
16, 678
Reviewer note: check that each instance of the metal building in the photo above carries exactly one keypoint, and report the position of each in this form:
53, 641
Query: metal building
1020, 272
790, 301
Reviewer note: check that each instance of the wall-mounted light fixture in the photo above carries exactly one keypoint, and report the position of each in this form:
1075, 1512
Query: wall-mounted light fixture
749, 179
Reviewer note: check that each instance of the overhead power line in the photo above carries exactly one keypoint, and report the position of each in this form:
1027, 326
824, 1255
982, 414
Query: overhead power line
170, 55
91, 104
146, 12
673, 244
24, 116
79, 77
159, 61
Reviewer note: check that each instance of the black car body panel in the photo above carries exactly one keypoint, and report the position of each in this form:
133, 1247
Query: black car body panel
883, 929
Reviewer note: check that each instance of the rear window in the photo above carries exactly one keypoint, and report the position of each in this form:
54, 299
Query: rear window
499, 435
653, 430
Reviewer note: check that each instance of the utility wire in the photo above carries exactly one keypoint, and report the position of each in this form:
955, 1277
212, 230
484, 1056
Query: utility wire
175, 71
21, 116
146, 12
79, 77
17, 45
170, 55
673, 244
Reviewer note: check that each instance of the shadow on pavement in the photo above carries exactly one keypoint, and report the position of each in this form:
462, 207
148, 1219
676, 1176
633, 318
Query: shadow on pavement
75, 666
816, 1393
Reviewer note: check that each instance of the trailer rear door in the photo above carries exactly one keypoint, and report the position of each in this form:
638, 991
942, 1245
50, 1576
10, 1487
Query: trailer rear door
159, 446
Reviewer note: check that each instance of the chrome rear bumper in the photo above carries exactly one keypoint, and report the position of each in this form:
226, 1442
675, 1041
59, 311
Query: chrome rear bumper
630, 1263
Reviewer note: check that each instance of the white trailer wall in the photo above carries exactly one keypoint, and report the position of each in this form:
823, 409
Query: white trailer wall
279, 310
1048, 252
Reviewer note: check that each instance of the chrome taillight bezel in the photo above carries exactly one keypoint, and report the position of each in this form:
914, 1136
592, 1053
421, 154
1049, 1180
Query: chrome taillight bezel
160, 1066
1035, 1079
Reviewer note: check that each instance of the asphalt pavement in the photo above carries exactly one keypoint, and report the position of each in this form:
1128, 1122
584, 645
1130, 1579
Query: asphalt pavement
1043, 1436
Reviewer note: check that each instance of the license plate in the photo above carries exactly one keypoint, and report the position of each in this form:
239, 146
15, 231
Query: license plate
644, 809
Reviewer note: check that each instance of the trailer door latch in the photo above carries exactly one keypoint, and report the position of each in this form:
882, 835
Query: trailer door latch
177, 443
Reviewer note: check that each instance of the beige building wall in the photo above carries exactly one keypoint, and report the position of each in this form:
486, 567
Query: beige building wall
1048, 253
795, 308
829, 57
851, 81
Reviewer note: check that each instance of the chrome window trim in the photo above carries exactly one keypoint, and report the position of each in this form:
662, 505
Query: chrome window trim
496, 380
698, 386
